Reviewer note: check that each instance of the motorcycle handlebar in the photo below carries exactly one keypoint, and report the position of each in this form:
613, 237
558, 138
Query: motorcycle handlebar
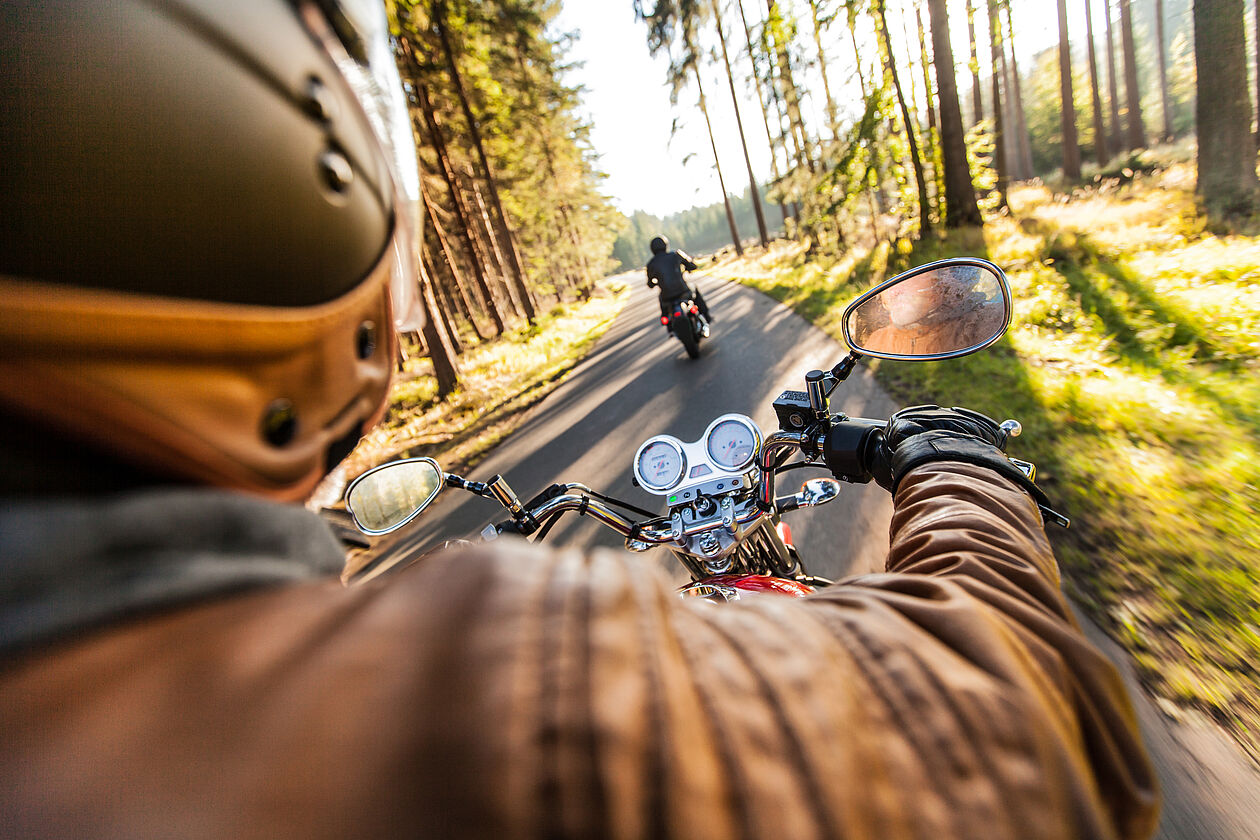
845, 448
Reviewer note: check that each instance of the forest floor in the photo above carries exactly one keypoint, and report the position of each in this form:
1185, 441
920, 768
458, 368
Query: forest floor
1133, 362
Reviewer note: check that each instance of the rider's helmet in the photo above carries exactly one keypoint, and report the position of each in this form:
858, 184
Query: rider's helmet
203, 205
659, 245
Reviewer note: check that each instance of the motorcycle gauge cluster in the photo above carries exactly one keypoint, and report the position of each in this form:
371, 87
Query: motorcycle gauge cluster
660, 463
664, 464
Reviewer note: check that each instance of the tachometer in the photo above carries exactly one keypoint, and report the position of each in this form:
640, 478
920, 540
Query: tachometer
732, 443
660, 463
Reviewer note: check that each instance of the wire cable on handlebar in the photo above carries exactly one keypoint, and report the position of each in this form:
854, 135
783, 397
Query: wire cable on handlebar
624, 505
551, 520
798, 465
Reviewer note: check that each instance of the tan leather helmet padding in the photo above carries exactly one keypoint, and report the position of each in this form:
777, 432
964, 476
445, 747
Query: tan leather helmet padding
184, 386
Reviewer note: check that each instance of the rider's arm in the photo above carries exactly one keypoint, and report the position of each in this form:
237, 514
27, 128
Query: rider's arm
652, 277
992, 660
954, 697
687, 262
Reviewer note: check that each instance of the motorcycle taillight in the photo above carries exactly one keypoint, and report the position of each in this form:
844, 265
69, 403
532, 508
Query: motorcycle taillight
695, 310
664, 319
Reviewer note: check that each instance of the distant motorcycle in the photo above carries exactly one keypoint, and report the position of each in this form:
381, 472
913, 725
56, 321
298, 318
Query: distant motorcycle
687, 325
724, 519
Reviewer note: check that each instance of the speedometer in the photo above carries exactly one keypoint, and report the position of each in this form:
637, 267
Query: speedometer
660, 463
732, 443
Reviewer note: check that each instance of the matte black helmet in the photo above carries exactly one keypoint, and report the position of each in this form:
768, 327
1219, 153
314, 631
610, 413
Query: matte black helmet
659, 245
203, 204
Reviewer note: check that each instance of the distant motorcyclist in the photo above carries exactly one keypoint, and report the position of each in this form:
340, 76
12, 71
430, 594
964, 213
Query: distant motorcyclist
665, 271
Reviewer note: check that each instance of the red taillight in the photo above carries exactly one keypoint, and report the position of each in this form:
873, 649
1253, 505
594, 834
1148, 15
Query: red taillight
664, 319
695, 310
785, 533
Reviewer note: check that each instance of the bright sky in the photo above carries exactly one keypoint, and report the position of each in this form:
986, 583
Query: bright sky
627, 99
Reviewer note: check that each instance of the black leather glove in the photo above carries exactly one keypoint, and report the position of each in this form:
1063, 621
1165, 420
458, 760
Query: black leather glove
932, 418
948, 424
927, 433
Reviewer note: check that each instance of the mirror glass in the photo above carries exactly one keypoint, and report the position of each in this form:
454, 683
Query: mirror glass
388, 497
947, 310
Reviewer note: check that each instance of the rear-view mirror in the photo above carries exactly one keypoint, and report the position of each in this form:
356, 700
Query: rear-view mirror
387, 497
937, 311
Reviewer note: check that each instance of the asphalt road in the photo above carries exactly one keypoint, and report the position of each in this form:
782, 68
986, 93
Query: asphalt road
637, 382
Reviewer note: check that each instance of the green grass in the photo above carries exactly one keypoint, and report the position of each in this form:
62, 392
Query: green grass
1134, 364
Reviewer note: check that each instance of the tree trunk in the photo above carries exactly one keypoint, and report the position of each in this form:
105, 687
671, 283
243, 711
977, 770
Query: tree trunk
449, 256
927, 72
1071, 150
977, 103
457, 202
890, 65
1256, 15
584, 268
913, 99
999, 128
1116, 137
1013, 161
1162, 59
960, 192
877, 176
509, 245
495, 275
1136, 133
930, 153
1014, 93
833, 121
1100, 130
1227, 154
436, 340
761, 103
739, 123
489, 243
780, 113
791, 96
726, 200
446, 306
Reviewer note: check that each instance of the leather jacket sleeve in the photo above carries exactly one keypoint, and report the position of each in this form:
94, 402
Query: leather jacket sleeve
512, 690
686, 260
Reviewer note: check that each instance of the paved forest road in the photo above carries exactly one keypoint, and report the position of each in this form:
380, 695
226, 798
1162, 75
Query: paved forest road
637, 382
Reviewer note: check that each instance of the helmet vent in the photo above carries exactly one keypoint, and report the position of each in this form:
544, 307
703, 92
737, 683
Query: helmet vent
365, 340
319, 100
336, 171
279, 424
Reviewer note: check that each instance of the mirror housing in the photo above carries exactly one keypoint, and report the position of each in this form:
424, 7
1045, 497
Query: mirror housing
387, 497
941, 310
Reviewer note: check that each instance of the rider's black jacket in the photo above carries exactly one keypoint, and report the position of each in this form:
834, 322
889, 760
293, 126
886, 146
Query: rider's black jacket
666, 270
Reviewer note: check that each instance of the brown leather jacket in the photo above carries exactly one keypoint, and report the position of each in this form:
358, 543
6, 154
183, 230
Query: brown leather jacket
513, 691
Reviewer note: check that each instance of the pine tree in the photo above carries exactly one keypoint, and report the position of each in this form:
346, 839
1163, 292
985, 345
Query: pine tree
960, 192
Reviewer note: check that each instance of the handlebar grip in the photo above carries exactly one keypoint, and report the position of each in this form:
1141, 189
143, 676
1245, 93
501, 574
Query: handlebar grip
849, 448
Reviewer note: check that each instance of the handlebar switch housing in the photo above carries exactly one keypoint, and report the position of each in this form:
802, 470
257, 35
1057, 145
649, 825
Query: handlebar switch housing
848, 449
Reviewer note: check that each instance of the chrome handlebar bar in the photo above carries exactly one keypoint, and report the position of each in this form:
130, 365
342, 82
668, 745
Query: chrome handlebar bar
801, 441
